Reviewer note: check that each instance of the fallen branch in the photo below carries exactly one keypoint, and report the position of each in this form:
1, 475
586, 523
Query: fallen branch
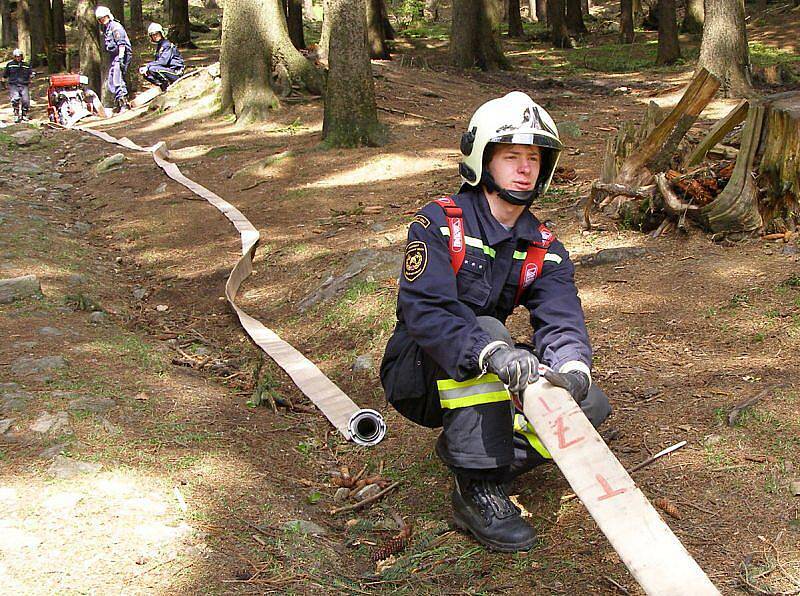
367, 501
661, 453
736, 411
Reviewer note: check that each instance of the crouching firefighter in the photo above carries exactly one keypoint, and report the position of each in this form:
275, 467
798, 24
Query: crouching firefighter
118, 45
17, 76
471, 258
167, 66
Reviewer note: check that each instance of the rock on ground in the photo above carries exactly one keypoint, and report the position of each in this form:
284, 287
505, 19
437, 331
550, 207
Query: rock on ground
16, 288
65, 468
27, 136
33, 366
110, 162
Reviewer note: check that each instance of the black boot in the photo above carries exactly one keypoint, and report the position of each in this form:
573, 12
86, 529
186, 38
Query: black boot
482, 508
122, 104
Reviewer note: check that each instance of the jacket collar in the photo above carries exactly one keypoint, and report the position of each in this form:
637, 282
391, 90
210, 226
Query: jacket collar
526, 228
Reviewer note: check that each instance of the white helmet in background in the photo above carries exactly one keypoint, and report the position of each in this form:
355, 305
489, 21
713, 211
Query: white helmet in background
102, 11
514, 119
17, 53
154, 28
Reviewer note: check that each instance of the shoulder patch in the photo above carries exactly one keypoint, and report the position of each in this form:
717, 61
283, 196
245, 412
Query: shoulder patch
117, 35
421, 220
416, 260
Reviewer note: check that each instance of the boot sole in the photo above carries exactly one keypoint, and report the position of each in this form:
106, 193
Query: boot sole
502, 547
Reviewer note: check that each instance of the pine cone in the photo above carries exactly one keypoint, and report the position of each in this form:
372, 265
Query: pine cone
667, 507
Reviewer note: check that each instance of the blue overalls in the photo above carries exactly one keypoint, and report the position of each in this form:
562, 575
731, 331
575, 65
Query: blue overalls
430, 368
114, 37
18, 74
167, 66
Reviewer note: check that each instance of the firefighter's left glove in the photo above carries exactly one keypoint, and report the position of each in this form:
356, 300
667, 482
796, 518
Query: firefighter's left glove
514, 367
575, 382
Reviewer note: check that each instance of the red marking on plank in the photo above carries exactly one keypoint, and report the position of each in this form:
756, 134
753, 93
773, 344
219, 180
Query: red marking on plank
561, 431
608, 492
545, 405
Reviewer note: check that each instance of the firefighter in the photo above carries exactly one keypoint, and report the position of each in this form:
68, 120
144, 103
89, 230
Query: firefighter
17, 75
451, 362
118, 45
167, 67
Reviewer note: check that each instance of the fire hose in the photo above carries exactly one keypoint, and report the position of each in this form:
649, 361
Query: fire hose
363, 426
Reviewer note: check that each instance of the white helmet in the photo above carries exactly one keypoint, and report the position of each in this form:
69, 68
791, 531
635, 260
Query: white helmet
102, 11
154, 28
17, 52
516, 119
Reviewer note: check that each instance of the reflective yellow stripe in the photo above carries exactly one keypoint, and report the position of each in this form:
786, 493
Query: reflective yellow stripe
519, 255
523, 427
552, 257
471, 241
485, 389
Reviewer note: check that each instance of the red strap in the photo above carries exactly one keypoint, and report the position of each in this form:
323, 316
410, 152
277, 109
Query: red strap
534, 261
455, 222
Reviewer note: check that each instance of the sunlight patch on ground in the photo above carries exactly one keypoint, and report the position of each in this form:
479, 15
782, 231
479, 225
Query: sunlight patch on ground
388, 167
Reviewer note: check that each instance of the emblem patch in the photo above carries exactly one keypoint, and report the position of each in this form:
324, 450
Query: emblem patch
531, 271
421, 220
416, 260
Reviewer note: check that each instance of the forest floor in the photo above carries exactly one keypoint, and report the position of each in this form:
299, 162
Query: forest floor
132, 459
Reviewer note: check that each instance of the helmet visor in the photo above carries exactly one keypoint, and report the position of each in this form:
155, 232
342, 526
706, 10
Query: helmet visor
529, 138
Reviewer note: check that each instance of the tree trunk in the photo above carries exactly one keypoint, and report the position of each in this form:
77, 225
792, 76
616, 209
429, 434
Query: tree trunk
585, 6
514, 19
308, 10
693, 19
285, 56
541, 11
167, 7
117, 8
626, 32
558, 28
246, 66
575, 24
6, 29
210, 4
46, 14
474, 39
59, 37
668, 48
351, 115
179, 29
89, 44
30, 30
431, 10
724, 51
294, 23
325, 34
137, 20
376, 41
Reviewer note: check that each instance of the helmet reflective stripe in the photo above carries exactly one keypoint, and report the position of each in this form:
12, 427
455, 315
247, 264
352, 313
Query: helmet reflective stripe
154, 28
17, 52
102, 11
516, 119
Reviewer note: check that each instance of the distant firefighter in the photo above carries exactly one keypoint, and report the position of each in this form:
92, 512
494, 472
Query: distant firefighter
167, 67
17, 76
119, 46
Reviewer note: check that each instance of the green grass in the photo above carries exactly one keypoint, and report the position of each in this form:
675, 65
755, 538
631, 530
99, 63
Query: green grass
135, 351
761, 55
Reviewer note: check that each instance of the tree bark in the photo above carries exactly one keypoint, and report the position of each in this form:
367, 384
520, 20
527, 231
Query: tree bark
294, 23
474, 39
59, 37
308, 10
669, 49
626, 32
378, 49
558, 27
541, 11
117, 8
693, 19
284, 55
723, 50
514, 19
179, 29
585, 6
30, 30
325, 34
246, 66
137, 20
575, 24
90, 57
6, 29
351, 115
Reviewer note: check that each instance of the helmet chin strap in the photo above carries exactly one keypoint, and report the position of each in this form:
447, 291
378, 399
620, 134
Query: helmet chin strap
515, 197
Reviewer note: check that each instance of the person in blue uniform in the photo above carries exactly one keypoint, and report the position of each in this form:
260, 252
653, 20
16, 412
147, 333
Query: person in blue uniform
451, 362
167, 65
17, 75
118, 45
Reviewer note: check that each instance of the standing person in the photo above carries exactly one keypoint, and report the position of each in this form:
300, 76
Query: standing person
167, 66
470, 260
17, 76
119, 46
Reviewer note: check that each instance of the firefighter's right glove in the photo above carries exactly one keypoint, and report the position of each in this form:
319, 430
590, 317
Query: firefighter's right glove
575, 382
514, 367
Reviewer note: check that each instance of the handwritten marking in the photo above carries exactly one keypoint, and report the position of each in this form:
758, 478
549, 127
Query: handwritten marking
561, 431
608, 492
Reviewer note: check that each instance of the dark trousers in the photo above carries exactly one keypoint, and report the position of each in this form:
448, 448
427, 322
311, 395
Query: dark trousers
162, 76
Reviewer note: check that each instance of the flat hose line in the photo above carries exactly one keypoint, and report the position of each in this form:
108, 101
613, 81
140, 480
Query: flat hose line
361, 425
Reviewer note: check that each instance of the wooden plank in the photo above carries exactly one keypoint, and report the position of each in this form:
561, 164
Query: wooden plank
652, 553
718, 132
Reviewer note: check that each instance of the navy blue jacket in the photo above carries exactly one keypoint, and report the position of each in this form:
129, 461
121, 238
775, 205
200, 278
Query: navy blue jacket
18, 73
438, 309
167, 55
116, 36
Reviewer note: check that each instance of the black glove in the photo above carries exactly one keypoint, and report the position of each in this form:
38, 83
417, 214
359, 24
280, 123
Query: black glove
575, 382
515, 368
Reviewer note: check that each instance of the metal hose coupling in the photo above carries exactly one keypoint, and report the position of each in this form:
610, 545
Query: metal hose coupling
367, 427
